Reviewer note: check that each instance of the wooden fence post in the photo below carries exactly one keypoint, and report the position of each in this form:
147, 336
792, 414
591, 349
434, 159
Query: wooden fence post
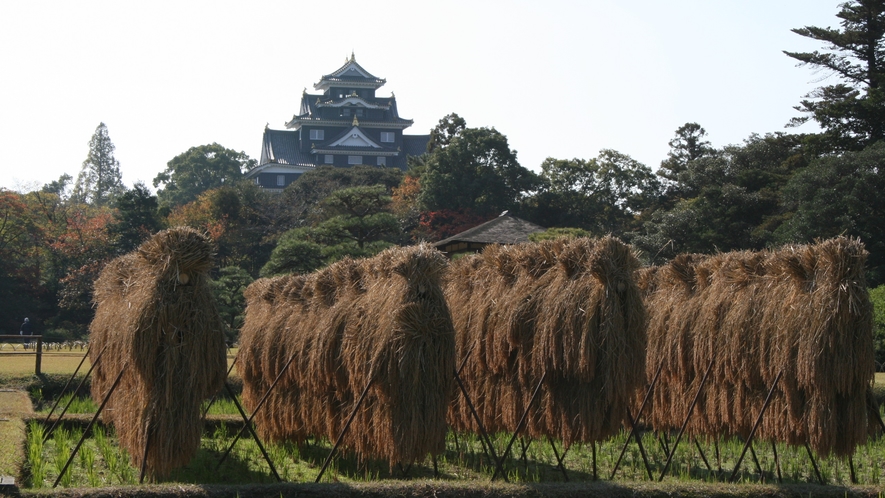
39, 354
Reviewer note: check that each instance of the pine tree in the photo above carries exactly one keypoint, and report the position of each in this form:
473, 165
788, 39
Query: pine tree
100, 179
852, 112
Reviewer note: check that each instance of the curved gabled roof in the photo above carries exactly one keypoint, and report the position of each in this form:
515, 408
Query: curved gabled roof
281, 147
352, 74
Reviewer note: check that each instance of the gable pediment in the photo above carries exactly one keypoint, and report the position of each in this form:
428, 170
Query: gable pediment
355, 138
352, 101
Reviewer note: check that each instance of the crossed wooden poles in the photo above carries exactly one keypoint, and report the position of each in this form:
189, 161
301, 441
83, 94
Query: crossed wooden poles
484, 437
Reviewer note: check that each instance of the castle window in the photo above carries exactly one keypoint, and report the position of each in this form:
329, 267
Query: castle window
387, 136
359, 113
281, 180
329, 159
354, 159
346, 111
317, 134
382, 161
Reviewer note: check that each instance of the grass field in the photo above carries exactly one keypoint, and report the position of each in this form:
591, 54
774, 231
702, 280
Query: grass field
463, 467
16, 364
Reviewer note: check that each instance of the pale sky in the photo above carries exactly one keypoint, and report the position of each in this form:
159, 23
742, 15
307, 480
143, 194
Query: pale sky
559, 78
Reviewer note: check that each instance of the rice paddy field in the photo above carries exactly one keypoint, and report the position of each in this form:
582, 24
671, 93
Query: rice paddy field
700, 466
555, 343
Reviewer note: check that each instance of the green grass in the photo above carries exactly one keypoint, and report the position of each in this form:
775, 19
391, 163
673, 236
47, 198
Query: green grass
102, 463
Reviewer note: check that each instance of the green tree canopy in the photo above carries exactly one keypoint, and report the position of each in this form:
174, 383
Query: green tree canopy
303, 196
840, 195
200, 169
100, 179
730, 199
602, 195
228, 292
358, 224
136, 218
851, 112
474, 169
687, 146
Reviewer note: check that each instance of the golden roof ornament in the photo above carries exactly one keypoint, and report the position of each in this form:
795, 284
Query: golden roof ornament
356, 122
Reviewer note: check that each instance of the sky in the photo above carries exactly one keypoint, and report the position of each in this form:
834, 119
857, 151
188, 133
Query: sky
559, 78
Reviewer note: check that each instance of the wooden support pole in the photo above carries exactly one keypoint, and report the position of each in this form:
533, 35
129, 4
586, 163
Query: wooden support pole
634, 432
346, 427
703, 456
687, 417
255, 437
76, 391
482, 431
67, 384
255, 412
500, 467
38, 363
215, 396
559, 459
820, 479
777, 462
92, 422
749, 441
147, 444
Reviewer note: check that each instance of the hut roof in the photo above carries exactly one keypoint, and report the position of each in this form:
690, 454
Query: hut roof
505, 229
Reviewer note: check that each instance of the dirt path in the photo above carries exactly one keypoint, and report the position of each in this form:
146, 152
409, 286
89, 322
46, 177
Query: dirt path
14, 405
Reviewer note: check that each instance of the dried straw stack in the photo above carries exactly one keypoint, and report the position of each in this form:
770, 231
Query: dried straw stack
568, 308
384, 318
800, 310
156, 319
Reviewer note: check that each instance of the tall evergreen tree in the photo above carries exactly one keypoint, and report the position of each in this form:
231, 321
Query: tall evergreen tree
100, 180
851, 112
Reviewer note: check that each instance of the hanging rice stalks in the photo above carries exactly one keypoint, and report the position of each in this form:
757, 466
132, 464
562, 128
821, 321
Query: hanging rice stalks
800, 310
568, 308
382, 320
156, 316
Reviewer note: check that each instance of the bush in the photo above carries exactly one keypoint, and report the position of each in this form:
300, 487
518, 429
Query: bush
877, 296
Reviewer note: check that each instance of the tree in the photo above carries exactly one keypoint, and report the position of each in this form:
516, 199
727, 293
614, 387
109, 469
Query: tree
474, 169
877, 297
199, 169
228, 292
840, 195
729, 199
304, 195
688, 145
602, 195
358, 224
558, 233
100, 179
136, 218
359, 215
59, 187
296, 252
852, 112
445, 131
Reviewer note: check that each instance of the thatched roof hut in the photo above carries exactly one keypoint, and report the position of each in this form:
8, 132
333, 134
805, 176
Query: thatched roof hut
156, 319
566, 308
802, 311
382, 319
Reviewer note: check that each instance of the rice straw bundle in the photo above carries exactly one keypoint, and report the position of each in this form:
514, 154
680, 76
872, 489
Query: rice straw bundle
156, 317
382, 319
800, 310
567, 308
